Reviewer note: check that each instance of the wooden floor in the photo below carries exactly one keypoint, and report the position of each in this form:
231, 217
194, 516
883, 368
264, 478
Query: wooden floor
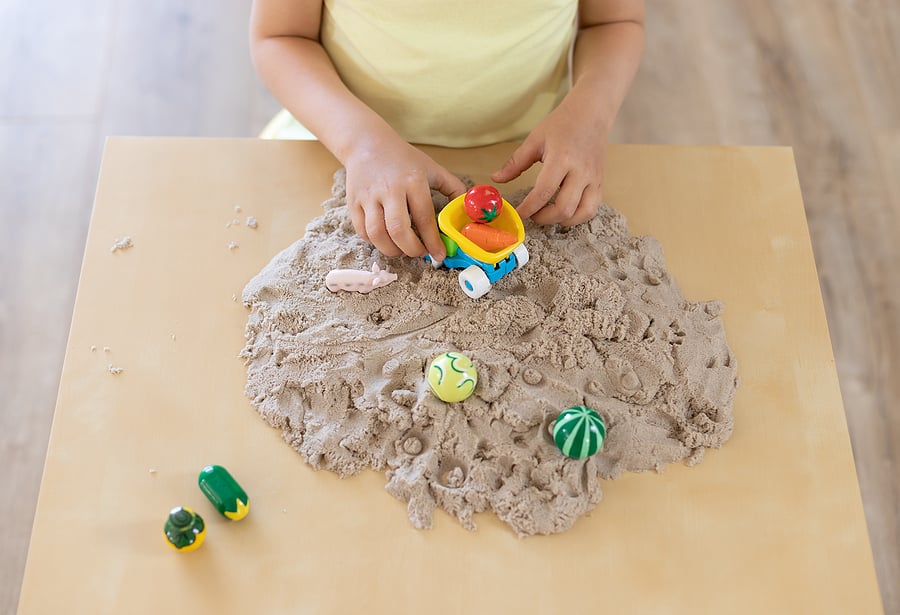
823, 77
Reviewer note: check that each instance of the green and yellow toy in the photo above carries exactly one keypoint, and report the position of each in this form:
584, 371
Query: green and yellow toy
452, 376
224, 492
579, 432
184, 529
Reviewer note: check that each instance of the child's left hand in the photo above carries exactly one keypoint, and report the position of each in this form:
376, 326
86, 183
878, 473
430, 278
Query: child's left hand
571, 143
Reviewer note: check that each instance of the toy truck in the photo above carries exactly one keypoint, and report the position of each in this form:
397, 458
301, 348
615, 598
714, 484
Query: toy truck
480, 268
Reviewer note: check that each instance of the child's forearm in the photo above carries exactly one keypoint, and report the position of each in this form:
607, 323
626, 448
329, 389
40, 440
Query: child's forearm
389, 181
608, 51
299, 73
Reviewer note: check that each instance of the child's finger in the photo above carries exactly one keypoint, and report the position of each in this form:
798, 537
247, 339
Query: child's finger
358, 218
525, 155
377, 231
421, 207
546, 185
564, 204
588, 207
446, 183
399, 227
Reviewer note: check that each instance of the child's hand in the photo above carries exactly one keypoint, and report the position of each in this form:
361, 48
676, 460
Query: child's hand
571, 143
389, 197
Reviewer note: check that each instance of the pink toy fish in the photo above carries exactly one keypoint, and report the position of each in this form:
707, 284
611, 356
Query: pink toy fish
358, 280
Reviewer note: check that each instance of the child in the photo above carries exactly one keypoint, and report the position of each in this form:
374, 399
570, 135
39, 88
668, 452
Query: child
368, 77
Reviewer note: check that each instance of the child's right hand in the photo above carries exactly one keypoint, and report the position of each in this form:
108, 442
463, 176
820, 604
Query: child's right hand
389, 186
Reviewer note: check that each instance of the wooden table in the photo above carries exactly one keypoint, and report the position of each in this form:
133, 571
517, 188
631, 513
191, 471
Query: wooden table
772, 522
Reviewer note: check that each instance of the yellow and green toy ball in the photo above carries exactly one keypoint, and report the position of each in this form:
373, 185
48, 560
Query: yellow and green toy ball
184, 529
224, 492
452, 376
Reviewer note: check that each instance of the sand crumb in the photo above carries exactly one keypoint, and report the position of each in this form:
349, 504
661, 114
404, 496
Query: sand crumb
251, 222
122, 244
115, 370
232, 245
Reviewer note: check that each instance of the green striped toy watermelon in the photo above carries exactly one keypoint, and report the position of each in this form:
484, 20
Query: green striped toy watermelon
579, 432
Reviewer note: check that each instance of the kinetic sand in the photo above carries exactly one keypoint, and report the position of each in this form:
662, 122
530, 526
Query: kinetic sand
592, 319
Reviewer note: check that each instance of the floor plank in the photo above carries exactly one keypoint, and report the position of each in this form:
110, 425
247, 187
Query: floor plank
51, 55
45, 195
198, 80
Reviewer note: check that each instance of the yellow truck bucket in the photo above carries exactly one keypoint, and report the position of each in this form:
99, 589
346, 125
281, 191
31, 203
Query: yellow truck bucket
453, 217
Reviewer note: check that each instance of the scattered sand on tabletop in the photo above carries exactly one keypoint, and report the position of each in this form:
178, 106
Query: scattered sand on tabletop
593, 319
251, 222
122, 244
115, 370
232, 245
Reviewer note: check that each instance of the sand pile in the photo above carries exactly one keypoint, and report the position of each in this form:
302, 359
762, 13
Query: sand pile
592, 319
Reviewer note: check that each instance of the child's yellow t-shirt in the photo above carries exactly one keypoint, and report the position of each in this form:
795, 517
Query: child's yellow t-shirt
458, 74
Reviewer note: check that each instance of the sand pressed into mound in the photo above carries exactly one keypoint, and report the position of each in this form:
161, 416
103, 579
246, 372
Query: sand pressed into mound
592, 319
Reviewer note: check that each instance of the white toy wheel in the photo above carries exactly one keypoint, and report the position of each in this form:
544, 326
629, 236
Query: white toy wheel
521, 254
474, 282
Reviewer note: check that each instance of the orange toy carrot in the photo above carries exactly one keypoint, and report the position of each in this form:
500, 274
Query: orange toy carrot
488, 237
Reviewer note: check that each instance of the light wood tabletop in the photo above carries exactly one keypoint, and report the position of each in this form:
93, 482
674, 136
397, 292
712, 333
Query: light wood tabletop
772, 522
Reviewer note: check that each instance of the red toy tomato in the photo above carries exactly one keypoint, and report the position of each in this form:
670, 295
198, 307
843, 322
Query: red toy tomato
483, 203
